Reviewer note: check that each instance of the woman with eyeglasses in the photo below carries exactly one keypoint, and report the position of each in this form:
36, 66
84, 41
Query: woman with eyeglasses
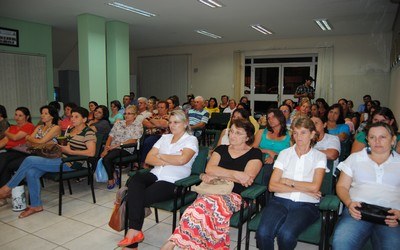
123, 132
172, 157
371, 176
382, 114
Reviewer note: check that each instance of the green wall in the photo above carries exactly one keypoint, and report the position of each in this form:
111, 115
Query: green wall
34, 38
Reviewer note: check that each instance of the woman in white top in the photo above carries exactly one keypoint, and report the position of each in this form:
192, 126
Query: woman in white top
296, 181
371, 176
172, 157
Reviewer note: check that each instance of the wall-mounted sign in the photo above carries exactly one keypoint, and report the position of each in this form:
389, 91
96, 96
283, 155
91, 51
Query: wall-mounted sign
9, 37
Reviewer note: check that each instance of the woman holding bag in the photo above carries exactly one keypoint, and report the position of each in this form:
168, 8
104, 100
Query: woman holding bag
371, 176
237, 162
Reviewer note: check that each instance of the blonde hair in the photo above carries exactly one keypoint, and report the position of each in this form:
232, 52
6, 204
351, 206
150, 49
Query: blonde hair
182, 117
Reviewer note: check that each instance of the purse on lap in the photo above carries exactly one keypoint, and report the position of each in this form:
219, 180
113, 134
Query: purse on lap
216, 186
373, 213
47, 150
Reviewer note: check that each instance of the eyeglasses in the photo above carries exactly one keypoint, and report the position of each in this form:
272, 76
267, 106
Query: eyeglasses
285, 111
129, 113
231, 132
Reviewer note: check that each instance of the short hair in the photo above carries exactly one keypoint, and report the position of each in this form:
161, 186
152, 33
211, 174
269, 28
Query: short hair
71, 105
248, 127
116, 103
307, 123
199, 97
227, 97
182, 117
133, 108
3, 111
142, 99
106, 112
26, 112
281, 118
244, 105
82, 111
380, 124
367, 96
165, 103
53, 112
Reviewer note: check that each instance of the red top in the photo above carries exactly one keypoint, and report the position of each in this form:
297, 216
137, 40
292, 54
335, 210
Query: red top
14, 129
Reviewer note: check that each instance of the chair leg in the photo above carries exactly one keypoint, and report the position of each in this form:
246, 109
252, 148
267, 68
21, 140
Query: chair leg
247, 237
90, 178
156, 214
60, 194
120, 176
173, 220
239, 242
41, 182
69, 187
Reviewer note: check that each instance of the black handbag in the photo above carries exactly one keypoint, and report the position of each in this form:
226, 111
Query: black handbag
373, 213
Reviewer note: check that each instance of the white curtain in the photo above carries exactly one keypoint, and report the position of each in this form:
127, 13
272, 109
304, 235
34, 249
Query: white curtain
164, 76
325, 74
22, 82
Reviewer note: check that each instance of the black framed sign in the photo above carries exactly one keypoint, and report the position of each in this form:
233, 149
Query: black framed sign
9, 37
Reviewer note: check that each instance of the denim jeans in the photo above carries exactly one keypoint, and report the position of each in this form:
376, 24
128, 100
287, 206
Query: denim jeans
353, 234
284, 219
31, 169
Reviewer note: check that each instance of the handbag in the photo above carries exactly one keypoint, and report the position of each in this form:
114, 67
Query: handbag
101, 173
47, 150
117, 220
373, 213
216, 186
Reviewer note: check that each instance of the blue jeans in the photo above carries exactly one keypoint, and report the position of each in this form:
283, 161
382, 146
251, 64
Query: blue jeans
353, 234
284, 219
31, 169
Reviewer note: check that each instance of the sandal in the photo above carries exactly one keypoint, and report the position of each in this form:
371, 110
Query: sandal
29, 211
111, 186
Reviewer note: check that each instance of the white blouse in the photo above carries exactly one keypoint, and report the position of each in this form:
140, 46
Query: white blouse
299, 169
373, 183
171, 173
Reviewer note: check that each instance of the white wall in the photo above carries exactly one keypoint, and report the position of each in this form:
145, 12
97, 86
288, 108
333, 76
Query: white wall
361, 64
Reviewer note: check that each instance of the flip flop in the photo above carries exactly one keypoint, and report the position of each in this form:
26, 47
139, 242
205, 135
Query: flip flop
29, 211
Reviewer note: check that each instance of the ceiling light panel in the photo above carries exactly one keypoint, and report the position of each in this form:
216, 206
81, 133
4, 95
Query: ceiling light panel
131, 9
261, 29
323, 24
206, 33
211, 3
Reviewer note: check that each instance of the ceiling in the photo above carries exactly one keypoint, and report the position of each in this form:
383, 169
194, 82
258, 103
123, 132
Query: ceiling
176, 20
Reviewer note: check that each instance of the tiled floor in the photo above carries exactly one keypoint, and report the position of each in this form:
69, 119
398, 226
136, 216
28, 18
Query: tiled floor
83, 225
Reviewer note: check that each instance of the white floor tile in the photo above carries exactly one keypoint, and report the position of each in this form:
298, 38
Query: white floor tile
37, 221
96, 216
9, 234
97, 239
73, 207
30, 242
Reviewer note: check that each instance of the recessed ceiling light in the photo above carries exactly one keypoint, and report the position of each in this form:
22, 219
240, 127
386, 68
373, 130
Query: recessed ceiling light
211, 3
131, 9
323, 24
261, 29
206, 33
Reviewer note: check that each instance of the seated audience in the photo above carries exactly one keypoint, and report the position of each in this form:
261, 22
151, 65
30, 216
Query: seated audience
3, 121
152, 105
212, 106
198, 116
335, 123
314, 110
371, 176
296, 180
81, 143
323, 107
143, 113
224, 103
366, 116
187, 105
115, 114
100, 122
92, 107
286, 110
253, 121
205, 223
65, 121
382, 114
156, 125
123, 132
172, 157
350, 118
237, 114
231, 107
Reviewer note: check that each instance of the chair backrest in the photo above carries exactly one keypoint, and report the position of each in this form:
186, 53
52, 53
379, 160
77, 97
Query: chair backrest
199, 164
260, 176
327, 186
218, 121
99, 144
345, 149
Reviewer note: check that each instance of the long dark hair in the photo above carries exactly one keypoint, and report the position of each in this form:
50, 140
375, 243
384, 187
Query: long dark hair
106, 112
340, 119
116, 104
26, 112
281, 118
3, 111
53, 112
215, 100
388, 114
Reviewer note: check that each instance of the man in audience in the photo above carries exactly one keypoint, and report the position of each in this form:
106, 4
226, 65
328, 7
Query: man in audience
133, 100
143, 113
198, 116
126, 101
361, 108
305, 90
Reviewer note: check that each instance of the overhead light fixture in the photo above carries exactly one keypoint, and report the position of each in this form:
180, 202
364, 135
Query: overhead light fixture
211, 3
261, 29
206, 33
131, 9
323, 24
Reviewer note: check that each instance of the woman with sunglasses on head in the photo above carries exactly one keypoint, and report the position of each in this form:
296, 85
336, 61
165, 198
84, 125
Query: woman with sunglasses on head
371, 176
82, 142
123, 132
172, 157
